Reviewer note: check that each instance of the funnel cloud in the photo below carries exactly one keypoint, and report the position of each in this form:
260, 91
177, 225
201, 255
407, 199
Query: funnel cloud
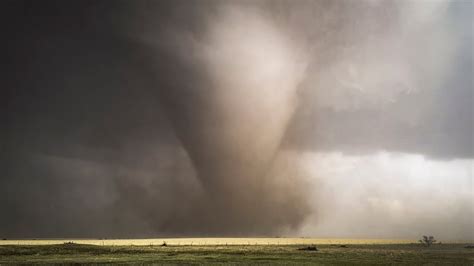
235, 118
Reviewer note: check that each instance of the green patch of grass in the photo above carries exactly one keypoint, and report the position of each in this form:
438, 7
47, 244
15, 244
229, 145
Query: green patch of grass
408, 254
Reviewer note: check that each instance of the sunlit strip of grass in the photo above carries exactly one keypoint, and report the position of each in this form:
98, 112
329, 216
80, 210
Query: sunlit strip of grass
206, 241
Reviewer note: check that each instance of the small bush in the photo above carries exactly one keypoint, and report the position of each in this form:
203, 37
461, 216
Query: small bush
427, 240
309, 248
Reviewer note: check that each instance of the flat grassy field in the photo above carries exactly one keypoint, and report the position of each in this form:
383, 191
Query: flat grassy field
213, 241
336, 253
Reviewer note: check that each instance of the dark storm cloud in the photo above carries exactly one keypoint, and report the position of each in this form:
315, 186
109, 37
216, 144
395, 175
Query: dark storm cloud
85, 97
115, 122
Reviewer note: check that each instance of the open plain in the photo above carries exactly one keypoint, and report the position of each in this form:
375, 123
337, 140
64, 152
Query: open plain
234, 251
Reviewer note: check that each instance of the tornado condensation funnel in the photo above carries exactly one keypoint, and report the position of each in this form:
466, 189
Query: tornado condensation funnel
230, 94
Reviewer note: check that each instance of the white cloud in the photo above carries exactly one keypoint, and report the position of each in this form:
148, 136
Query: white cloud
390, 195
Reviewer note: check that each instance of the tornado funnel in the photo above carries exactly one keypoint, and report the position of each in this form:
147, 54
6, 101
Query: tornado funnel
230, 93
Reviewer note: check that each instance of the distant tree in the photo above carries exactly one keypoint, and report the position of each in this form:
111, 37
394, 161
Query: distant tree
427, 240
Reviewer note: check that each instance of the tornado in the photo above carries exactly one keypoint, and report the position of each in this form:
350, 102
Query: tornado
230, 92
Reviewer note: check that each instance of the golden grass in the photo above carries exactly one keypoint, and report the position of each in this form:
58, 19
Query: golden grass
208, 241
